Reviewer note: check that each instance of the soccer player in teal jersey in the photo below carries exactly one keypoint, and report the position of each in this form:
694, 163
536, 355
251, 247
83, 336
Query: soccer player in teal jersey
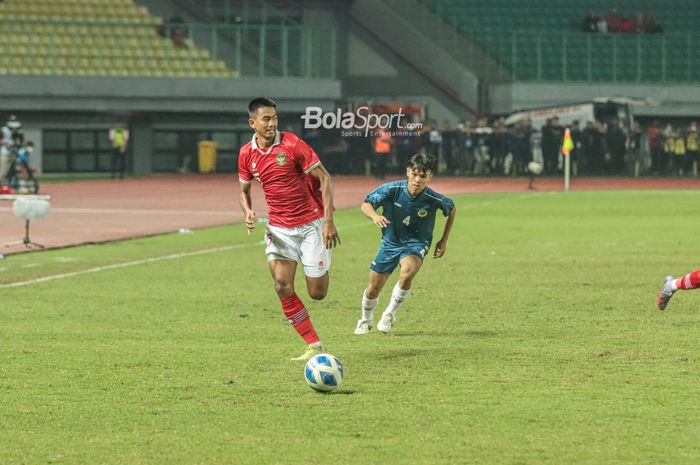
407, 220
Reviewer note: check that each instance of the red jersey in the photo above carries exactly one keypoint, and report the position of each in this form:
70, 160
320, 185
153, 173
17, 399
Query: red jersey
293, 196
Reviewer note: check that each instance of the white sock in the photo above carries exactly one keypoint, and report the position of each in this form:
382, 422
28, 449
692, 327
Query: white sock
398, 296
673, 285
368, 306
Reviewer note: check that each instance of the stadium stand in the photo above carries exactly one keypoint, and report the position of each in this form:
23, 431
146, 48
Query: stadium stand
95, 38
540, 40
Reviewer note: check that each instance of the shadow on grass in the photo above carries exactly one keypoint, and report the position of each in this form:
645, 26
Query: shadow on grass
337, 393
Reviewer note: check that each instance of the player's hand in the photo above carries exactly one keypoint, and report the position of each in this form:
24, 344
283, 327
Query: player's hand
250, 221
331, 238
381, 221
440, 248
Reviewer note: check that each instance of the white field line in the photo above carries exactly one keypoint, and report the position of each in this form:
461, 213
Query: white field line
116, 266
144, 261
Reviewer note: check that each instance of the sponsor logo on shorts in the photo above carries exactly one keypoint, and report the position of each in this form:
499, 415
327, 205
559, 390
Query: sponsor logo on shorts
422, 212
320, 264
281, 158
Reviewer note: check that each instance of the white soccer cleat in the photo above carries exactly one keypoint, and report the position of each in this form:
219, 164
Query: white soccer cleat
364, 326
665, 294
386, 323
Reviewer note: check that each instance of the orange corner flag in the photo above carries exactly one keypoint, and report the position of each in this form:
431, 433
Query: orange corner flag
568, 143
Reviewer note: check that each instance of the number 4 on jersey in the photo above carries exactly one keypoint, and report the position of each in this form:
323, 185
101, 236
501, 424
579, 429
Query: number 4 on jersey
407, 220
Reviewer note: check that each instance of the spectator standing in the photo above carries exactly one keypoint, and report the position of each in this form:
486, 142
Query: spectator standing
614, 21
178, 30
590, 22
449, 142
434, 141
669, 149
551, 142
602, 25
382, 152
519, 145
592, 148
617, 139
692, 146
576, 138
465, 146
119, 136
634, 148
679, 159
5, 155
498, 146
482, 135
655, 141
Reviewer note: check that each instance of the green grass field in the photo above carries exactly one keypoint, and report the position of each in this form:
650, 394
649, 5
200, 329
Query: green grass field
534, 341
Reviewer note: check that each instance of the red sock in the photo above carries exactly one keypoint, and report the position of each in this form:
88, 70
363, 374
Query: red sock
689, 281
298, 316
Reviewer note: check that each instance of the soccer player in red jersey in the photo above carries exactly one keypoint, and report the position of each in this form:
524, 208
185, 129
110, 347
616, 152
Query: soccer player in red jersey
689, 281
299, 195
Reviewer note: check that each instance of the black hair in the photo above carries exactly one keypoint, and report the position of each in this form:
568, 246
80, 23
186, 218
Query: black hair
260, 102
422, 162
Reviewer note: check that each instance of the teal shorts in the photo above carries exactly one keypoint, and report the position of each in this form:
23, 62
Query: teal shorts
389, 256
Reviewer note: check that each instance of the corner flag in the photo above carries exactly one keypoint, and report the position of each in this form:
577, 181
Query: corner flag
568, 143
566, 146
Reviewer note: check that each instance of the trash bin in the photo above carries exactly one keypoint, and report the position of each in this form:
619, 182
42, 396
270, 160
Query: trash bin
207, 156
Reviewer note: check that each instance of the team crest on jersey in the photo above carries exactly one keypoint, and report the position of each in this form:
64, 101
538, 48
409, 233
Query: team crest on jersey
281, 158
422, 212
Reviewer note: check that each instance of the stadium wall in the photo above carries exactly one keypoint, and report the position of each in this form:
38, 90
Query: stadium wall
665, 101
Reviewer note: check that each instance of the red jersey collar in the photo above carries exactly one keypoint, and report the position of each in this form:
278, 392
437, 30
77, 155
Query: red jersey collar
276, 141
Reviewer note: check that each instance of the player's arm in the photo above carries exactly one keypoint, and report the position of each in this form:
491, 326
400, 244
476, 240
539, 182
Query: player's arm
330, 232
441, 245
247, 206
369, 211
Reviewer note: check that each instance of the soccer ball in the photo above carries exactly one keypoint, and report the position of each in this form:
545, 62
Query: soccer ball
534, 167
324, 372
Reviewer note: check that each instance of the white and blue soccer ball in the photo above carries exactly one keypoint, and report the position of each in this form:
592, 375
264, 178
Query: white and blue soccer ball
324, 372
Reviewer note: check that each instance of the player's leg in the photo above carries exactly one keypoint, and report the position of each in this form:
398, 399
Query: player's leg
282, 251
315, 259
410, 265
370, 299
384, 263
687, 282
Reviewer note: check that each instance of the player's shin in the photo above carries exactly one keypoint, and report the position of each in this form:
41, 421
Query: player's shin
368, 306
398, 296
298, 317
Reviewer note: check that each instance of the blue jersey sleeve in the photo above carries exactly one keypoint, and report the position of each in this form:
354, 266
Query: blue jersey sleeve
378, 196
446, 205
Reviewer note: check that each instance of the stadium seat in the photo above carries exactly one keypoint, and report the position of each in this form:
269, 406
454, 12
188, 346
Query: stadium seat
91, 38
678, 58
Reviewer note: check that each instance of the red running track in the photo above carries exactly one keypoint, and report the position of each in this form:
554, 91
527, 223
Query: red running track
108, 210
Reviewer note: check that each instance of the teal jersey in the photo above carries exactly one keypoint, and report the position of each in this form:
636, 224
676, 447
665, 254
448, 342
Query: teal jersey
412, 219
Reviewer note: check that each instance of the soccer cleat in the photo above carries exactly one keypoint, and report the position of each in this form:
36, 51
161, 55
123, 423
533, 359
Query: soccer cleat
363, 326
386, 323
664, 294
311, 350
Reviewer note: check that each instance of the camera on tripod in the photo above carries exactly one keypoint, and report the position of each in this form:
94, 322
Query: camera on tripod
16, 131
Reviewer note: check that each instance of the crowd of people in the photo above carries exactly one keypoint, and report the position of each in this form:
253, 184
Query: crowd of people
614, 22
489, 147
